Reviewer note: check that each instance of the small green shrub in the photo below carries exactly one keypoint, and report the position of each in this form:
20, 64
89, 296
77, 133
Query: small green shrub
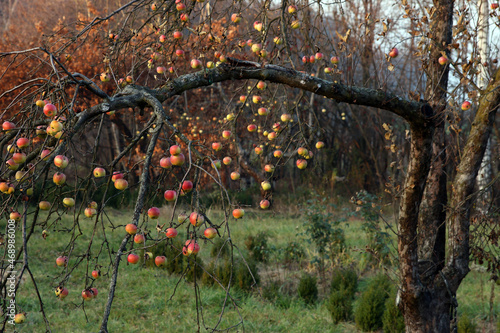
258, 247
466, 324
240, 277
323, 229
193, 268
368, 313
308, 289
392, 320
220, 248
340, 305
346, 279
293, 251
273, 293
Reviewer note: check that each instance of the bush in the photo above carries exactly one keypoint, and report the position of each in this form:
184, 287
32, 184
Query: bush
340, 305
241, 276
258, 247
323, 229
293, 252
368, 313
308, 289
466, 324
392, 320
220, 248
273, 293
193, 268
346, 279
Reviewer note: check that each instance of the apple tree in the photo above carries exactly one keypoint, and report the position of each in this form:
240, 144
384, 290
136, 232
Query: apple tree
162, 99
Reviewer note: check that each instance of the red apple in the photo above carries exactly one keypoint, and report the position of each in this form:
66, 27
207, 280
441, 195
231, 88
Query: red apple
49, 110
466, 105
12, 165
133, 258
63, 293
139, 238
153, 213
261, 85
116, 175
252, 128
264, 204
235, 175
22, 143
443, 60
45, 154
94, 292
20, 318
238, 213
99, 172
257, 25
195, 64
278, 153
226, 134
334, 60
177, 34
177, 160
258, 150
96, 274
236, 18
180, 7
61, 261
216, 146
7, 126
227, 160
187, 186
15, 216
269, 168
87, 295
165, 163
394, 53
210, 233
105, 77
170, 195
320, 144
160, 260
301, 164
263, 111
131, 229
302, 151
292, 9
19, 158
192, 247
171, 232
61, 161
89, 212
196, 219
174, 150
121, 184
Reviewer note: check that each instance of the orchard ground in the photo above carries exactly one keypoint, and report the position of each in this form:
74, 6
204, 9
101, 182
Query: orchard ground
148, 300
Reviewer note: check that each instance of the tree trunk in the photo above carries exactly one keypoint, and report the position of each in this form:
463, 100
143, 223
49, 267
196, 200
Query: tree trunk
485, 174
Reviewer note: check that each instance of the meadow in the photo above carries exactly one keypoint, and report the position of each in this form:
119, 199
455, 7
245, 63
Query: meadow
150, 299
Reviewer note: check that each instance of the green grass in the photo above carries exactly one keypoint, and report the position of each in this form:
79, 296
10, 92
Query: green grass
145, 298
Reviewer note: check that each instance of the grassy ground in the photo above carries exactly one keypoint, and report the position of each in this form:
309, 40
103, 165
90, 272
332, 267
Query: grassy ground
148, 299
